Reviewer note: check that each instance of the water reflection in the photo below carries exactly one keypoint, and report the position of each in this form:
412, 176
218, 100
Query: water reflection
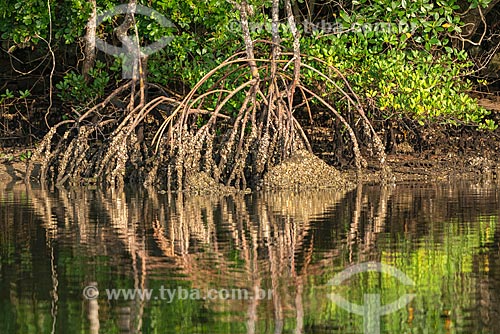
54, 243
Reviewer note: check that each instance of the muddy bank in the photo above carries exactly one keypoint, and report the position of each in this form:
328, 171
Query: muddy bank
12, 164
436, 154
305, 171
12, 171
419, 168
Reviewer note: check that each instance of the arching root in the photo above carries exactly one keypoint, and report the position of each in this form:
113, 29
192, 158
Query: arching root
235, 124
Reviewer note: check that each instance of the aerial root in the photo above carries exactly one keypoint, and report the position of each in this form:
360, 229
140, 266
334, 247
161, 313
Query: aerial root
235, 123
232, 135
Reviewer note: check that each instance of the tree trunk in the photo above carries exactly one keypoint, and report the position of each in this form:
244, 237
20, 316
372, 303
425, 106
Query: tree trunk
90, 36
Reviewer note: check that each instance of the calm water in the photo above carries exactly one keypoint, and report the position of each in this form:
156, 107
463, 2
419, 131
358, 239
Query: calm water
261, 263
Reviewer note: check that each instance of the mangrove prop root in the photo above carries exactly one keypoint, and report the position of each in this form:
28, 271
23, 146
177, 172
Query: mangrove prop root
233, 132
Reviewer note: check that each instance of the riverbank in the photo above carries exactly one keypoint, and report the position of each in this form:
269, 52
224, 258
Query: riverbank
471, 155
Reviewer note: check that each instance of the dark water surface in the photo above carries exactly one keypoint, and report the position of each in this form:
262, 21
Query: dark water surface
260, 263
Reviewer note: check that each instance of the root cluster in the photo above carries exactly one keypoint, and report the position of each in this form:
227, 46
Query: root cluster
236, 123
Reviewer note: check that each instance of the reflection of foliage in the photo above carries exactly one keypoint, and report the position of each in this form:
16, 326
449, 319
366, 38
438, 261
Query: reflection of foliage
442, 270
291, 243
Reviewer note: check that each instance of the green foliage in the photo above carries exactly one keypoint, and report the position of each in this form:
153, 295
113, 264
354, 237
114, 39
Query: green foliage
74, 86
202, 42
25, 155
419, 85
8, 94
14, 100
398, 59
25, 23
477, 3
203, 37
397, 54
404, 23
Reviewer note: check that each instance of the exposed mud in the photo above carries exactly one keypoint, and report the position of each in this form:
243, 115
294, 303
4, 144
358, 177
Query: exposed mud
12, 171
12, 165
437, 156
202, 183
303, 170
